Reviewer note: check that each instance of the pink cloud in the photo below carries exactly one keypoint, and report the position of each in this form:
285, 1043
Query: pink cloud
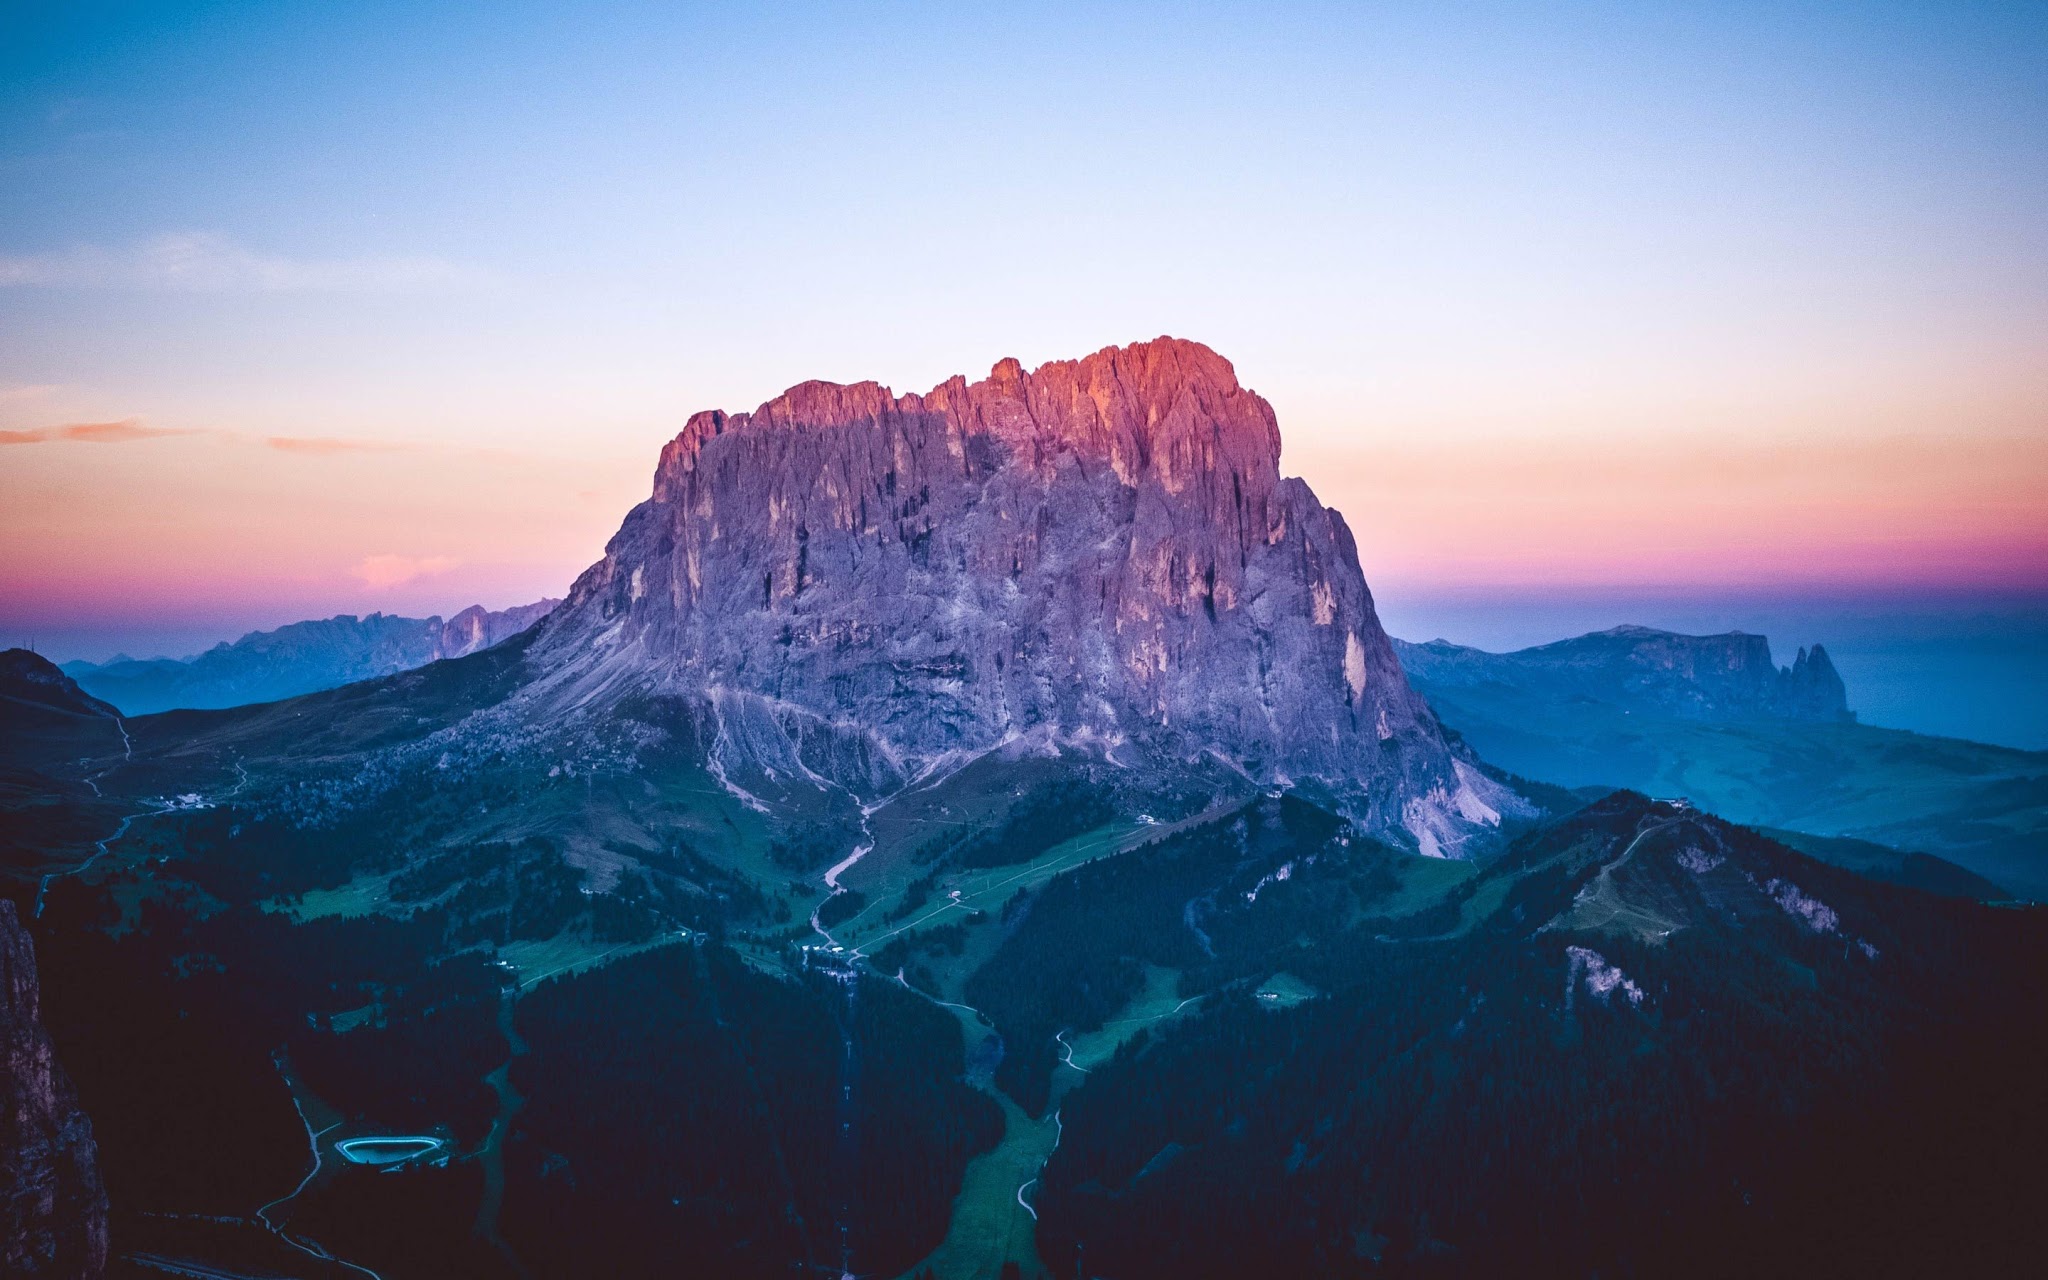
118, 432
380, 573
121, 432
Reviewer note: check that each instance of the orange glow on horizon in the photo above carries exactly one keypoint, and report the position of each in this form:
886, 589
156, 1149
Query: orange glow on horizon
226, 524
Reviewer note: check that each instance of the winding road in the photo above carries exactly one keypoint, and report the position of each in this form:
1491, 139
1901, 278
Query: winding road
311, 1248
1058, 1131
101, 846
43, 886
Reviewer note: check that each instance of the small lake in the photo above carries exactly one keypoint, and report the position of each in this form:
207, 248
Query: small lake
387, 1150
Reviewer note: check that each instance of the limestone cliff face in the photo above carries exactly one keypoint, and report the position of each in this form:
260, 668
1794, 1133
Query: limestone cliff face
1099, 553
53, 1207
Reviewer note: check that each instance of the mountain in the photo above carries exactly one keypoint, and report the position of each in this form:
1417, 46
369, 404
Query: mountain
31, 681
53, 1207
264, 666
1708, 678
50, 810
1098, 557
1711, 718
1005, 803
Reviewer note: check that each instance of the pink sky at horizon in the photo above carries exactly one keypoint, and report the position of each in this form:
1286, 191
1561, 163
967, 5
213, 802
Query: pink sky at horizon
132, 526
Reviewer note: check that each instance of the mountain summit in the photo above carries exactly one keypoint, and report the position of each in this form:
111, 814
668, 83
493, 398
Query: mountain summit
1099, 555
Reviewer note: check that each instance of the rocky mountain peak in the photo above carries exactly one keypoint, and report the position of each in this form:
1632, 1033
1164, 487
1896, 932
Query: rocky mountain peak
1167, 407
1811, 688
1097, 554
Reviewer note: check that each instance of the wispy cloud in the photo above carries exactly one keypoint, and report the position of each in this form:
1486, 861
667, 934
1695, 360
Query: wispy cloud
205, 262
122, 432
321, 446
381, 572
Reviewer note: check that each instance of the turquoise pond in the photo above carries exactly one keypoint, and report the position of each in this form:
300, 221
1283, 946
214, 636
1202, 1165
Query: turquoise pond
387, 1150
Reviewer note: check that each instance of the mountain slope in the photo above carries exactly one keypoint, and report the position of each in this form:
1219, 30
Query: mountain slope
33, 685
304, 657
1643, 1042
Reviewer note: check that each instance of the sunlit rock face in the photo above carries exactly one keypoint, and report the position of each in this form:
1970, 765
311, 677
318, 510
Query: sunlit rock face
1099, 554
53, 1207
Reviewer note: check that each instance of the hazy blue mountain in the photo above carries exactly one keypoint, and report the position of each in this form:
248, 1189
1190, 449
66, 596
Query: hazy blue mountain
1712, 718
1645, 671
303, 657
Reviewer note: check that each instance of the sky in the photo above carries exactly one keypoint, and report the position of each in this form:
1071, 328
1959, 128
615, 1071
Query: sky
1581, 313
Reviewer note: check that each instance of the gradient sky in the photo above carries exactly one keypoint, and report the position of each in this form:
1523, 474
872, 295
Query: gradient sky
318, 308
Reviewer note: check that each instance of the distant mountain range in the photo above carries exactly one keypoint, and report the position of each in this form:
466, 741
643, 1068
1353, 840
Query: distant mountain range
1648, 672
1712, 718
304, 657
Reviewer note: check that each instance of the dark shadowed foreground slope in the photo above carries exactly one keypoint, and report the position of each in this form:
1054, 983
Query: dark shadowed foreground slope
1644, 1043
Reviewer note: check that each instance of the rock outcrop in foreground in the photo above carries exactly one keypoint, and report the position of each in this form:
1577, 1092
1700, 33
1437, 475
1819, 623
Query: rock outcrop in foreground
1099, 555
53, 1207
